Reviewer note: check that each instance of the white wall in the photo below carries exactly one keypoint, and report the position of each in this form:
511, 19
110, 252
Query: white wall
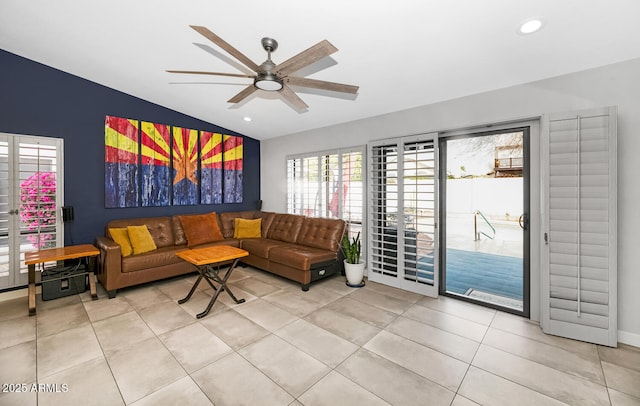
613, 85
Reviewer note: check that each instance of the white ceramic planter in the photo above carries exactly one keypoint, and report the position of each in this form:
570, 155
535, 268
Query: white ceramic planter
354, 272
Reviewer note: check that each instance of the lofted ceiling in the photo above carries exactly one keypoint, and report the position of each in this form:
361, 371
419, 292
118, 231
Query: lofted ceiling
401, 53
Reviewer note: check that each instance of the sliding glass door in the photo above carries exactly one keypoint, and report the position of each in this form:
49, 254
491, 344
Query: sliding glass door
403, 212
484, 238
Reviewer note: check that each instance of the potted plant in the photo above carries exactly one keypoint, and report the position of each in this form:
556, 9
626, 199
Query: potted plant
353, 266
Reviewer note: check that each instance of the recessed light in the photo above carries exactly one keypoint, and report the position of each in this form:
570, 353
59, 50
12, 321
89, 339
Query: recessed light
530, 25
247, 118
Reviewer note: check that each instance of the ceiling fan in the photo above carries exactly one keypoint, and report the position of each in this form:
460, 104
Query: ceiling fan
271, 77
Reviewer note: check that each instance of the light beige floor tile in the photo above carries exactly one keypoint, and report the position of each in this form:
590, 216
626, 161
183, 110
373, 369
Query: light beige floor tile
194, 346
424, 361
527, 328
182, 392
388, 303
403, 295
66, 349
265, 314
448, 343
317, 342
622, 379
175, 289
128, 363
43, 306
143, 296
256, 287
624, 356
61, 318
316, 293
232, 380
335, 389
462, 401
88, 383
121, 331
18, 364
233, 328
16, 331
19, 398
391, 382
292, 303
488, 389
465, 328
292, 369
545, 354
551, 382
622, 399
165, 316
459, 308
342, 325
336, 284
241, 273
103, 309
14, 308
362, 311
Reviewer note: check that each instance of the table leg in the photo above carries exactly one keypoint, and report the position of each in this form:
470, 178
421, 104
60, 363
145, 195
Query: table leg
223, 286
92, 278
32, 289
195, 285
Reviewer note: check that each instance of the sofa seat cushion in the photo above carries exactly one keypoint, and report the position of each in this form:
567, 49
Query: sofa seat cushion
299, 256
159, 257
261, 247
232, 242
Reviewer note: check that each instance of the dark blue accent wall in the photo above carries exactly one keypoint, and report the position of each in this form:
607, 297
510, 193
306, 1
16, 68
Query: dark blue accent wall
38, 100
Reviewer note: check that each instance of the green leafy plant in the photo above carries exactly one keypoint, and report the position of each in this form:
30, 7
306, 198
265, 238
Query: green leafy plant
351, 249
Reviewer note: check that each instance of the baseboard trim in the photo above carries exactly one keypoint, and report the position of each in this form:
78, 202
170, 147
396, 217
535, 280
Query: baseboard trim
628, 338
13, 294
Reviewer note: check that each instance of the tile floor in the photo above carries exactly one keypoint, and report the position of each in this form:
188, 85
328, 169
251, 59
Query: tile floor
332, 345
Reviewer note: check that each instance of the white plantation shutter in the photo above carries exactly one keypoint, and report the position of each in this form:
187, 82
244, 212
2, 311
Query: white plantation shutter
579, 283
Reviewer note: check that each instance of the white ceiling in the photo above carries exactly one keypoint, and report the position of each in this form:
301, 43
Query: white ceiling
402, 54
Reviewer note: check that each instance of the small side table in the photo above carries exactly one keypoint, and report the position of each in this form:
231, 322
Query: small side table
205, 260
31, 259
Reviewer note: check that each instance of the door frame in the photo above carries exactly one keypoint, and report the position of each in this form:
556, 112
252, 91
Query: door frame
17, 278
527, 128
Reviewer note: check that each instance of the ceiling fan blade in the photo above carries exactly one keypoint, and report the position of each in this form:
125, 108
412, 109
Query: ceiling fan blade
246, 92
205, 32
290, 96
305, 58
195, 72
321, 84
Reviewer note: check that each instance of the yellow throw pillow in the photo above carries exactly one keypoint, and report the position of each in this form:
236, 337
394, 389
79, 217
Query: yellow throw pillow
121, 237
247, 228
141, 239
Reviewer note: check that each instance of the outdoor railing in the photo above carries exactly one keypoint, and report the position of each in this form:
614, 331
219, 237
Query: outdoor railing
477, 233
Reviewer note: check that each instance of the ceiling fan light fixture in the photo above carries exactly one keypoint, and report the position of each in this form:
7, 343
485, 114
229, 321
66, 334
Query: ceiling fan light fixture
268, 82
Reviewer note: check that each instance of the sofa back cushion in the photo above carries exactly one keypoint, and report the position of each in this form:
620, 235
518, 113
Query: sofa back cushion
160, 228
227, 221
285, 227
321, 233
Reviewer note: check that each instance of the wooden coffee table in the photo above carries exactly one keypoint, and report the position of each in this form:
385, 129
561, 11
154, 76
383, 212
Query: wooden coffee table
31, 259
205, 260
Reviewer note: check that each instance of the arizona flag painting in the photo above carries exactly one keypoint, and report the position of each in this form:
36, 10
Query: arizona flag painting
155, 164
185, 166
232, 162
210, 168
120, 162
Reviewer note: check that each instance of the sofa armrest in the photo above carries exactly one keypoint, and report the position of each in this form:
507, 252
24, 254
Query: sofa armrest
109, 263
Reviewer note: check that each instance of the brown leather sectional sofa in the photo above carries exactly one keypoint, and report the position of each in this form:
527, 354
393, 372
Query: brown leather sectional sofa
303, 249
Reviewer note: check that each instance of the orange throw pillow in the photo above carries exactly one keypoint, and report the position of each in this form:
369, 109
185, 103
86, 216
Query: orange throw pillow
201, 228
